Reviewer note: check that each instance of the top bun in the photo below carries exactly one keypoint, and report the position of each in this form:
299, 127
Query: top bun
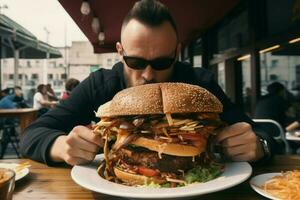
160, 98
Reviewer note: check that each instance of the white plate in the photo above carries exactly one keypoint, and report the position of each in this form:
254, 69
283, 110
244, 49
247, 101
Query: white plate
20, 174
260, 180
87, 177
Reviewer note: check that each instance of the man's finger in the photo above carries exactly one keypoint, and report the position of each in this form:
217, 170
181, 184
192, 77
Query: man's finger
79, 153
88, 135
249, 156
237, 150
244, 138
75, 160
233, 130
83, 144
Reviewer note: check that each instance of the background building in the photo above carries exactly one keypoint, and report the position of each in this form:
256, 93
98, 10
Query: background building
77, 61
82, 60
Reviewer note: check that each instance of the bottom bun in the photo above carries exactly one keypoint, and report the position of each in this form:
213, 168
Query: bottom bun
169, 148
135, 179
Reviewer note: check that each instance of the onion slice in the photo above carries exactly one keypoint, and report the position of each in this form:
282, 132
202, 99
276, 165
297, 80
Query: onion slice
123, 138
169, 118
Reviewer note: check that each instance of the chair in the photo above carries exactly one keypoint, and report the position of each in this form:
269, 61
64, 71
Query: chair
276, 130
8, 135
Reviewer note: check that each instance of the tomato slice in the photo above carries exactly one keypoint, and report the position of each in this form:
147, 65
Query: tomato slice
147, 171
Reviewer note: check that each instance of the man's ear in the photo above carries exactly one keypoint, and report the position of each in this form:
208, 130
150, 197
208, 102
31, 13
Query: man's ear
119, 48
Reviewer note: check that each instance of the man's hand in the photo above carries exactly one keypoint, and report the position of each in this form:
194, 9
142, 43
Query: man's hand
80, 146
240, 143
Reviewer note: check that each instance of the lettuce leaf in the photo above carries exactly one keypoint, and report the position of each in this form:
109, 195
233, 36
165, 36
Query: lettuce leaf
203, 173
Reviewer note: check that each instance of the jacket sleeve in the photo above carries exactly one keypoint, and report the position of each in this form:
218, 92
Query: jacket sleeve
77, 110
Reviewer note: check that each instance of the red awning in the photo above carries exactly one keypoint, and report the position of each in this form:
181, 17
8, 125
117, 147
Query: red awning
192, 17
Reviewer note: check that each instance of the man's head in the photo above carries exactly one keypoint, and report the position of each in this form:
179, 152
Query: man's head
42, 89
71, 84
48, 86
148, 33
276, 88
18, 91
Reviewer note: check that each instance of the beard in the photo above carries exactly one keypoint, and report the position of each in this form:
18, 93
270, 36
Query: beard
142, 81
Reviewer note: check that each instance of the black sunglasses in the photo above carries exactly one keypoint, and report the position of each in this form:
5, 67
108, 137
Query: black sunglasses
141, 63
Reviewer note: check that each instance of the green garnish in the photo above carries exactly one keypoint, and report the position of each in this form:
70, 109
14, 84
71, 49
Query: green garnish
202, 173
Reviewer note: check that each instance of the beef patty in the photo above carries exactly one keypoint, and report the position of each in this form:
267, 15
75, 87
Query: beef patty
149, 159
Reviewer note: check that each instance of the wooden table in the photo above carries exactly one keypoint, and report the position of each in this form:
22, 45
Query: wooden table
25, 115
45, 182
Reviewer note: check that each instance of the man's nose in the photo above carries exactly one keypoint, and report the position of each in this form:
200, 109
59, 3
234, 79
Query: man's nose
148, 73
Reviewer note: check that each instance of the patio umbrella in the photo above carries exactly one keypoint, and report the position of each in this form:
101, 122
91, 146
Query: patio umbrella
192, 17
17, 42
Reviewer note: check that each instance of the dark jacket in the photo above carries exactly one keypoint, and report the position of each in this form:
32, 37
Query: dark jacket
272, 106
99, 88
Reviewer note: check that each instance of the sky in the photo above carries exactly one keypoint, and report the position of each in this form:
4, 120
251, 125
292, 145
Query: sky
35, 15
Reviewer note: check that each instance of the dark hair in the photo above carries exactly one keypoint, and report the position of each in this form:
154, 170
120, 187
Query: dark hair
40, 88
17, 87
151, 13
275, 88
71, 84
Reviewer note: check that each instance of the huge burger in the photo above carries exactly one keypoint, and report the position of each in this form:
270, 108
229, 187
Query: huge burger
156, 134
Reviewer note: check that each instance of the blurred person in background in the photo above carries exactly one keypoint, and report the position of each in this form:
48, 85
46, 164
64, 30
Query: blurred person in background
41, 101
247, 102
15, 100
70, 85
4, 92
51, 93
273, 105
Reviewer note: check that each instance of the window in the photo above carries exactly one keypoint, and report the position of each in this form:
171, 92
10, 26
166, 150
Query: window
279, 66
274, 63
61, 65
197, 61
20, 76
221, 75
297, 74
197, 49
53, 64
273, 77
34, 76
63, 76
28, 63
50, 76
10, 76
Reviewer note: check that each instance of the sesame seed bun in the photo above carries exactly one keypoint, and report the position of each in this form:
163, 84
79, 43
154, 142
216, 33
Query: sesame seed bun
160, 98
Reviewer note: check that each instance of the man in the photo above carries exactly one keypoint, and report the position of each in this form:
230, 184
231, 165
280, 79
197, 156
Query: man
71, 83
149, 49
11, 101
273, 105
